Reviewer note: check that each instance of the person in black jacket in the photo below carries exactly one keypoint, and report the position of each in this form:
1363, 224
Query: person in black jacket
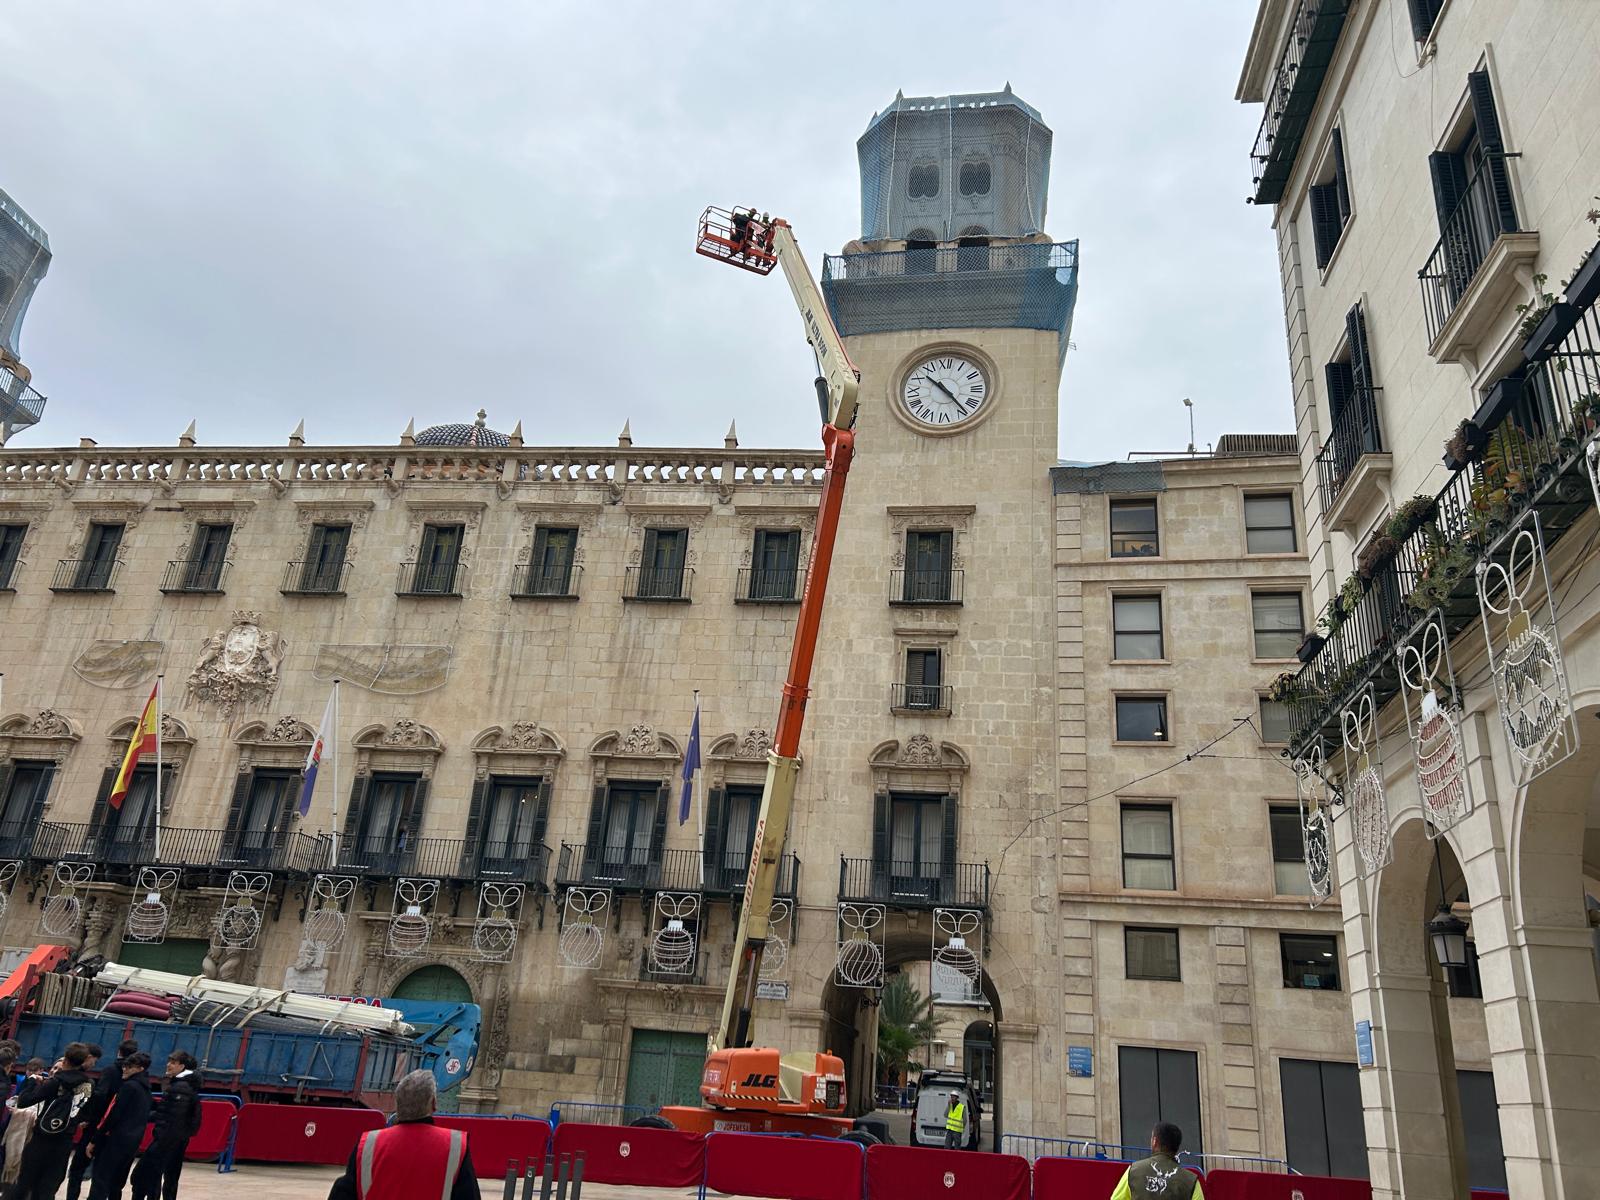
114, 1145
44, 1158
105, 1087
177, 1120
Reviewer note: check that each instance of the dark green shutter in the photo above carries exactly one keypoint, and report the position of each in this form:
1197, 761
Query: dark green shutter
947, 868
880, 842
658, 832
241, 797
480, 793
1341, 388
358, 804
1355, 328
6, 771
1494, 149
594, 845
1449, 174
1324, 221
412, 818
713, 865
1423, 14
102, 804
541, 814
1341, 181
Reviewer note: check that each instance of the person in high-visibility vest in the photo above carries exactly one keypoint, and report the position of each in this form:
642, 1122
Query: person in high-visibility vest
955, 1122
411, 1158
1161, 1176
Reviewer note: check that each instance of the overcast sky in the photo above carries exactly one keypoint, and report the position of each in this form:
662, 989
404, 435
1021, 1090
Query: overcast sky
358, 213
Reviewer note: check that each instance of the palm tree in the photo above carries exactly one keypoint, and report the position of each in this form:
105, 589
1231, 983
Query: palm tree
905, 1023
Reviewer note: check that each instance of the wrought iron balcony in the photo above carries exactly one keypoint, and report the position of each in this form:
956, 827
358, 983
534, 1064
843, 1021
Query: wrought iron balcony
20, 404
660, 584
202, 576
315, 577
919, 697
914, 885
534, 582
1544, 422
1467, 234
85, 574
112, 847
770, 585
910, 585
1292, 93
430, 579
1355, 434
724, 874
452, 859
626, 869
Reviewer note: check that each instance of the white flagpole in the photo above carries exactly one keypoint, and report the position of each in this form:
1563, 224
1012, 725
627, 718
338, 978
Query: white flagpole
334, 860
159, 678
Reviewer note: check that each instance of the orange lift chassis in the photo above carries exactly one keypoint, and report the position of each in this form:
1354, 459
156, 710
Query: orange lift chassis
745, 1086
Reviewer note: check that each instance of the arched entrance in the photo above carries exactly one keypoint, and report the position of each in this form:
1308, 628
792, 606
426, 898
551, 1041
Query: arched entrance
979, 1061
435, 983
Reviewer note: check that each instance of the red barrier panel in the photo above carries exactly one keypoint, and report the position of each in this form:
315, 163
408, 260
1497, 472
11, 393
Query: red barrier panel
216, 1124
1257, 1185
915, 1173
302, 1133
749, 1164
1077, 1178
495, 1142
663, 1158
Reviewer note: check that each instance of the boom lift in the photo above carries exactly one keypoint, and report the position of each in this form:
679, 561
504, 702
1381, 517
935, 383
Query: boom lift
766, 1090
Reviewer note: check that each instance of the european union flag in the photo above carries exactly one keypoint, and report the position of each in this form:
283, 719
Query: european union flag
691, 764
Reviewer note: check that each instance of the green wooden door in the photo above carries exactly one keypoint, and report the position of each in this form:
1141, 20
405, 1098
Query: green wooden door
181, 956
436, 983
665, 1068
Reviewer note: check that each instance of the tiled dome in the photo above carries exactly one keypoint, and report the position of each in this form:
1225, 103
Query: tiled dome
476, 434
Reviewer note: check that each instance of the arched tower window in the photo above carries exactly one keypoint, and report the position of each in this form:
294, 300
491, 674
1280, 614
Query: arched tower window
974, 178
924, 181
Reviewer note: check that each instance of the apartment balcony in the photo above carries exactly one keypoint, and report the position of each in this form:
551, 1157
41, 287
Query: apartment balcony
195, 576
724, 874
625, 869
912, 885
86, 574
920, 699
1292, 94
121, 851
1471, 276
916, 586
20, 405
769, 585
1353, 468
427, 579
535, 582
311, 577
455, 860
1549, 414
660, 585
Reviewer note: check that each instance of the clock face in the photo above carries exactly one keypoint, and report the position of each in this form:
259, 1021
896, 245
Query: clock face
944, 391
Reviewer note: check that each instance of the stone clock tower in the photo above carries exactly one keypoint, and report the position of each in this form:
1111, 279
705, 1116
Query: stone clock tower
930, 742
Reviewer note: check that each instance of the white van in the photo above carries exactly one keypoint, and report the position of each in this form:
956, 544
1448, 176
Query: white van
934, 1090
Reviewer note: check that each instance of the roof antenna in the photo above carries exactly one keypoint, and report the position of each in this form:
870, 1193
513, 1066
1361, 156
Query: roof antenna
1189, 404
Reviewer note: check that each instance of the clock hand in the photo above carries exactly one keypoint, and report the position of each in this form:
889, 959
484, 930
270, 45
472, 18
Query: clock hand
940, 386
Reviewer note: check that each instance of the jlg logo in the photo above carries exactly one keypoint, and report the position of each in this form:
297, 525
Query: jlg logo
760, 1081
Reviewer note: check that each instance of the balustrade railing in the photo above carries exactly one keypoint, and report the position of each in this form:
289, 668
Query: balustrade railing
1355, 434
203, 575
769, 585
914, 884
315, 577
1464, 241
628, 868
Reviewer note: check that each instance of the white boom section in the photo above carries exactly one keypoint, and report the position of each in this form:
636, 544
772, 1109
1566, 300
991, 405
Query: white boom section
249, 1000
821, 332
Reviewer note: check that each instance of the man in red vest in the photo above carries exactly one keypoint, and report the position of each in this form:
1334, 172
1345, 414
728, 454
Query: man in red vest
413, 1159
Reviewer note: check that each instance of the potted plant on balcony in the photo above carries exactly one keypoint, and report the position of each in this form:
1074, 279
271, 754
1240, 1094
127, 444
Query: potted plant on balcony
1411, 516
1286, 688
1545, 320
1583, 289
1378, 551
1309, 646
1464, 446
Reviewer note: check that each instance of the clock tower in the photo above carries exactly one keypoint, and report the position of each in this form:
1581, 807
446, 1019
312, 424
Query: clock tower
931, 737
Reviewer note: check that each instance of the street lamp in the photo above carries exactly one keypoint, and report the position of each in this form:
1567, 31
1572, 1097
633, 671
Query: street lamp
1446, 931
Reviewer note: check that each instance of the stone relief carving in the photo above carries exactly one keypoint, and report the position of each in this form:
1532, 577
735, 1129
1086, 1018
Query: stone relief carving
288, 729
404, 732
238, 666
581, 517
109, 664
919, 750
388, 670
638, 522
84, 515
641, 739
754, 744
955, 518
48, 723
236, 514
779, 518
467, 516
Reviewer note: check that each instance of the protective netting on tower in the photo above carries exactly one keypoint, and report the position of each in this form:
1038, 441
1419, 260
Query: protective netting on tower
937, 168
24, 258
1027, 285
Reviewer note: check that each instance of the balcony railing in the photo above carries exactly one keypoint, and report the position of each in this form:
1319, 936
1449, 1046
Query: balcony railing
430, 579
1292, 93
1538, 440
1355, 434
919, 697
1464, 242
910, 585
535, 582
199, 575
723, 874
460, 859
111, 846
85, 574
660, 584
315, 577
626, 869
20, 405
769, 585
914, 885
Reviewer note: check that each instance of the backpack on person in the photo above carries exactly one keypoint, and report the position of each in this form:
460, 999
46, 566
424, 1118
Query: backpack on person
61, 1112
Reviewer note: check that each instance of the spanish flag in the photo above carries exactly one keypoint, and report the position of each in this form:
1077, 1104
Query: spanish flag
146, 738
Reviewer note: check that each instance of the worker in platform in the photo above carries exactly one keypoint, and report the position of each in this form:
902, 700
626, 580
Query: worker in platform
955, 1123
1161, 1176
115, 1144
104, 1089
412, 1157
177, 1120
741, 231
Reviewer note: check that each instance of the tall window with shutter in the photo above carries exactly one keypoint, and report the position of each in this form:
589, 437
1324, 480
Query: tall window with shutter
260, 808
1352, 401
322, 572
508, 820
10, 552
385, 813
1329, 202
627, 833
24, 787
1472, 191
731, 814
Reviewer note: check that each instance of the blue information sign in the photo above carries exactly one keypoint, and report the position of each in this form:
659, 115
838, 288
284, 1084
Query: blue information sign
1364, 1055
1080, 1060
